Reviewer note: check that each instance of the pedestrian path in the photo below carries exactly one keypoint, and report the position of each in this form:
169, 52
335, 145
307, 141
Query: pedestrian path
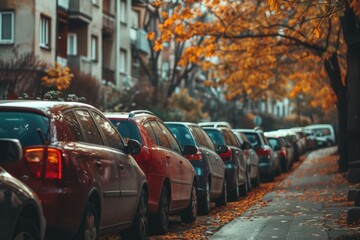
308, 204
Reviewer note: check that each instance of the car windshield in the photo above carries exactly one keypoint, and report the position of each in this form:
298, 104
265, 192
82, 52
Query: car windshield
25, 127
127, 129
215, 136
182, 135
320, 132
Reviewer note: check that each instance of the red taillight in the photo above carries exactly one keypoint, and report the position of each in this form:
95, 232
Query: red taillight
44, 162
282, 152
197, 156
263, 151
226, 156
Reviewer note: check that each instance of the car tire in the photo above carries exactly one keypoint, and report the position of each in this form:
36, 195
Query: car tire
26, 229
161, 219
235, 193
256, 181
222, 200
89, 228
271, 176
204, 201
140, 224
243, 189
190, 213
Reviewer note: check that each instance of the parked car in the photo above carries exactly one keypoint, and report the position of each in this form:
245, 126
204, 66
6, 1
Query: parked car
236, 169
279, 145
209, 168
251, 156
293, 138
269, 164
324, 130
171, 177
302, 138
76, 162
21, 212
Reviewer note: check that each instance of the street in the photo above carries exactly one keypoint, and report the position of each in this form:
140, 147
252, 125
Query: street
308, 203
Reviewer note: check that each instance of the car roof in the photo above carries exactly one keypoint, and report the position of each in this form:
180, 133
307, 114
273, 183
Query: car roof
215, 124
136, 115
41, 106
183, 123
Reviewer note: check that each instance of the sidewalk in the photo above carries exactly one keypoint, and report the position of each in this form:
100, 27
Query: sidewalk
311, 203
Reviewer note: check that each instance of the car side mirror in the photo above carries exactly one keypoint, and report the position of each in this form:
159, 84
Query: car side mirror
133, 147
277, 148
10, 150
221, 149
246, 145
189, 149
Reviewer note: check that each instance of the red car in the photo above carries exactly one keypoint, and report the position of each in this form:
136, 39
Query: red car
171, 177
76, 162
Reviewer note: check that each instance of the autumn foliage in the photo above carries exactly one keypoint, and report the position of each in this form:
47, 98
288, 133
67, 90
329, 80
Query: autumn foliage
258, 49
58, 76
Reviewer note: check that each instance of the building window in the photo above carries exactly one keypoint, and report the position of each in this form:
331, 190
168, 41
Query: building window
72, 44
123, 12
95, 2
123, 64
6, 27
44, 32
94, 48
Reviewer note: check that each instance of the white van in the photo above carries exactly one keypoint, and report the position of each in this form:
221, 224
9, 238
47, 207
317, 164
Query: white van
324, 130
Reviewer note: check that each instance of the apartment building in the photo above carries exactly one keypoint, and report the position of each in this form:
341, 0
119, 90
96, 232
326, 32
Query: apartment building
89, 36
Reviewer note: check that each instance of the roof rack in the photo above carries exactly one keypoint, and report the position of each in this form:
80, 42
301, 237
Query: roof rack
133, 113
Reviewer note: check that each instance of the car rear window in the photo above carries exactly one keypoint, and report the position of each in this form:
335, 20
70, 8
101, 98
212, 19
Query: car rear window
215, 136
274, 142
25, 126
182, 135
127, 129
253, 138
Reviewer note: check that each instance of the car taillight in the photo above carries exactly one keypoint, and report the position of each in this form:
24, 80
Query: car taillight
226, 156
197, 156
263, 152
282, 152
44, 162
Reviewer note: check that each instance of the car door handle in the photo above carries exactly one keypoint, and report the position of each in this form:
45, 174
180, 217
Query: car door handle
167, 156
98, 163
121, 166
207, 153
180, 161
217, 159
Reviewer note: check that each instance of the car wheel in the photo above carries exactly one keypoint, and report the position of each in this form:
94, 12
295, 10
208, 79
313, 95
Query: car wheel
244, 189
89, 229
140, 225
222, 200
161, 220
235, 193
248, 181
204, 201
256, 181
271, 176
189, 214
26, 229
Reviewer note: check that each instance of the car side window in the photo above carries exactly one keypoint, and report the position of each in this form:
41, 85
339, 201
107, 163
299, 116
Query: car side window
200, 137
112, 136
173, 143
234, 140
162, 140
91, 132
74, 126
227, 139
150, 130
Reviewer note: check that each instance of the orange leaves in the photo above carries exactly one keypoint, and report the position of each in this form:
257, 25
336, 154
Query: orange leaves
151, 35
356, 6
274, 5
58, 76
156, 3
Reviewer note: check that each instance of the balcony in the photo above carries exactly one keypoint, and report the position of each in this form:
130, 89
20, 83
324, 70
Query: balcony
80, 10
64, 4
80, 63
139, 40
108, 26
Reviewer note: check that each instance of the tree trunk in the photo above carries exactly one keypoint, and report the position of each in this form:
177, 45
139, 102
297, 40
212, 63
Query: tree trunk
350, 23
342, 130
